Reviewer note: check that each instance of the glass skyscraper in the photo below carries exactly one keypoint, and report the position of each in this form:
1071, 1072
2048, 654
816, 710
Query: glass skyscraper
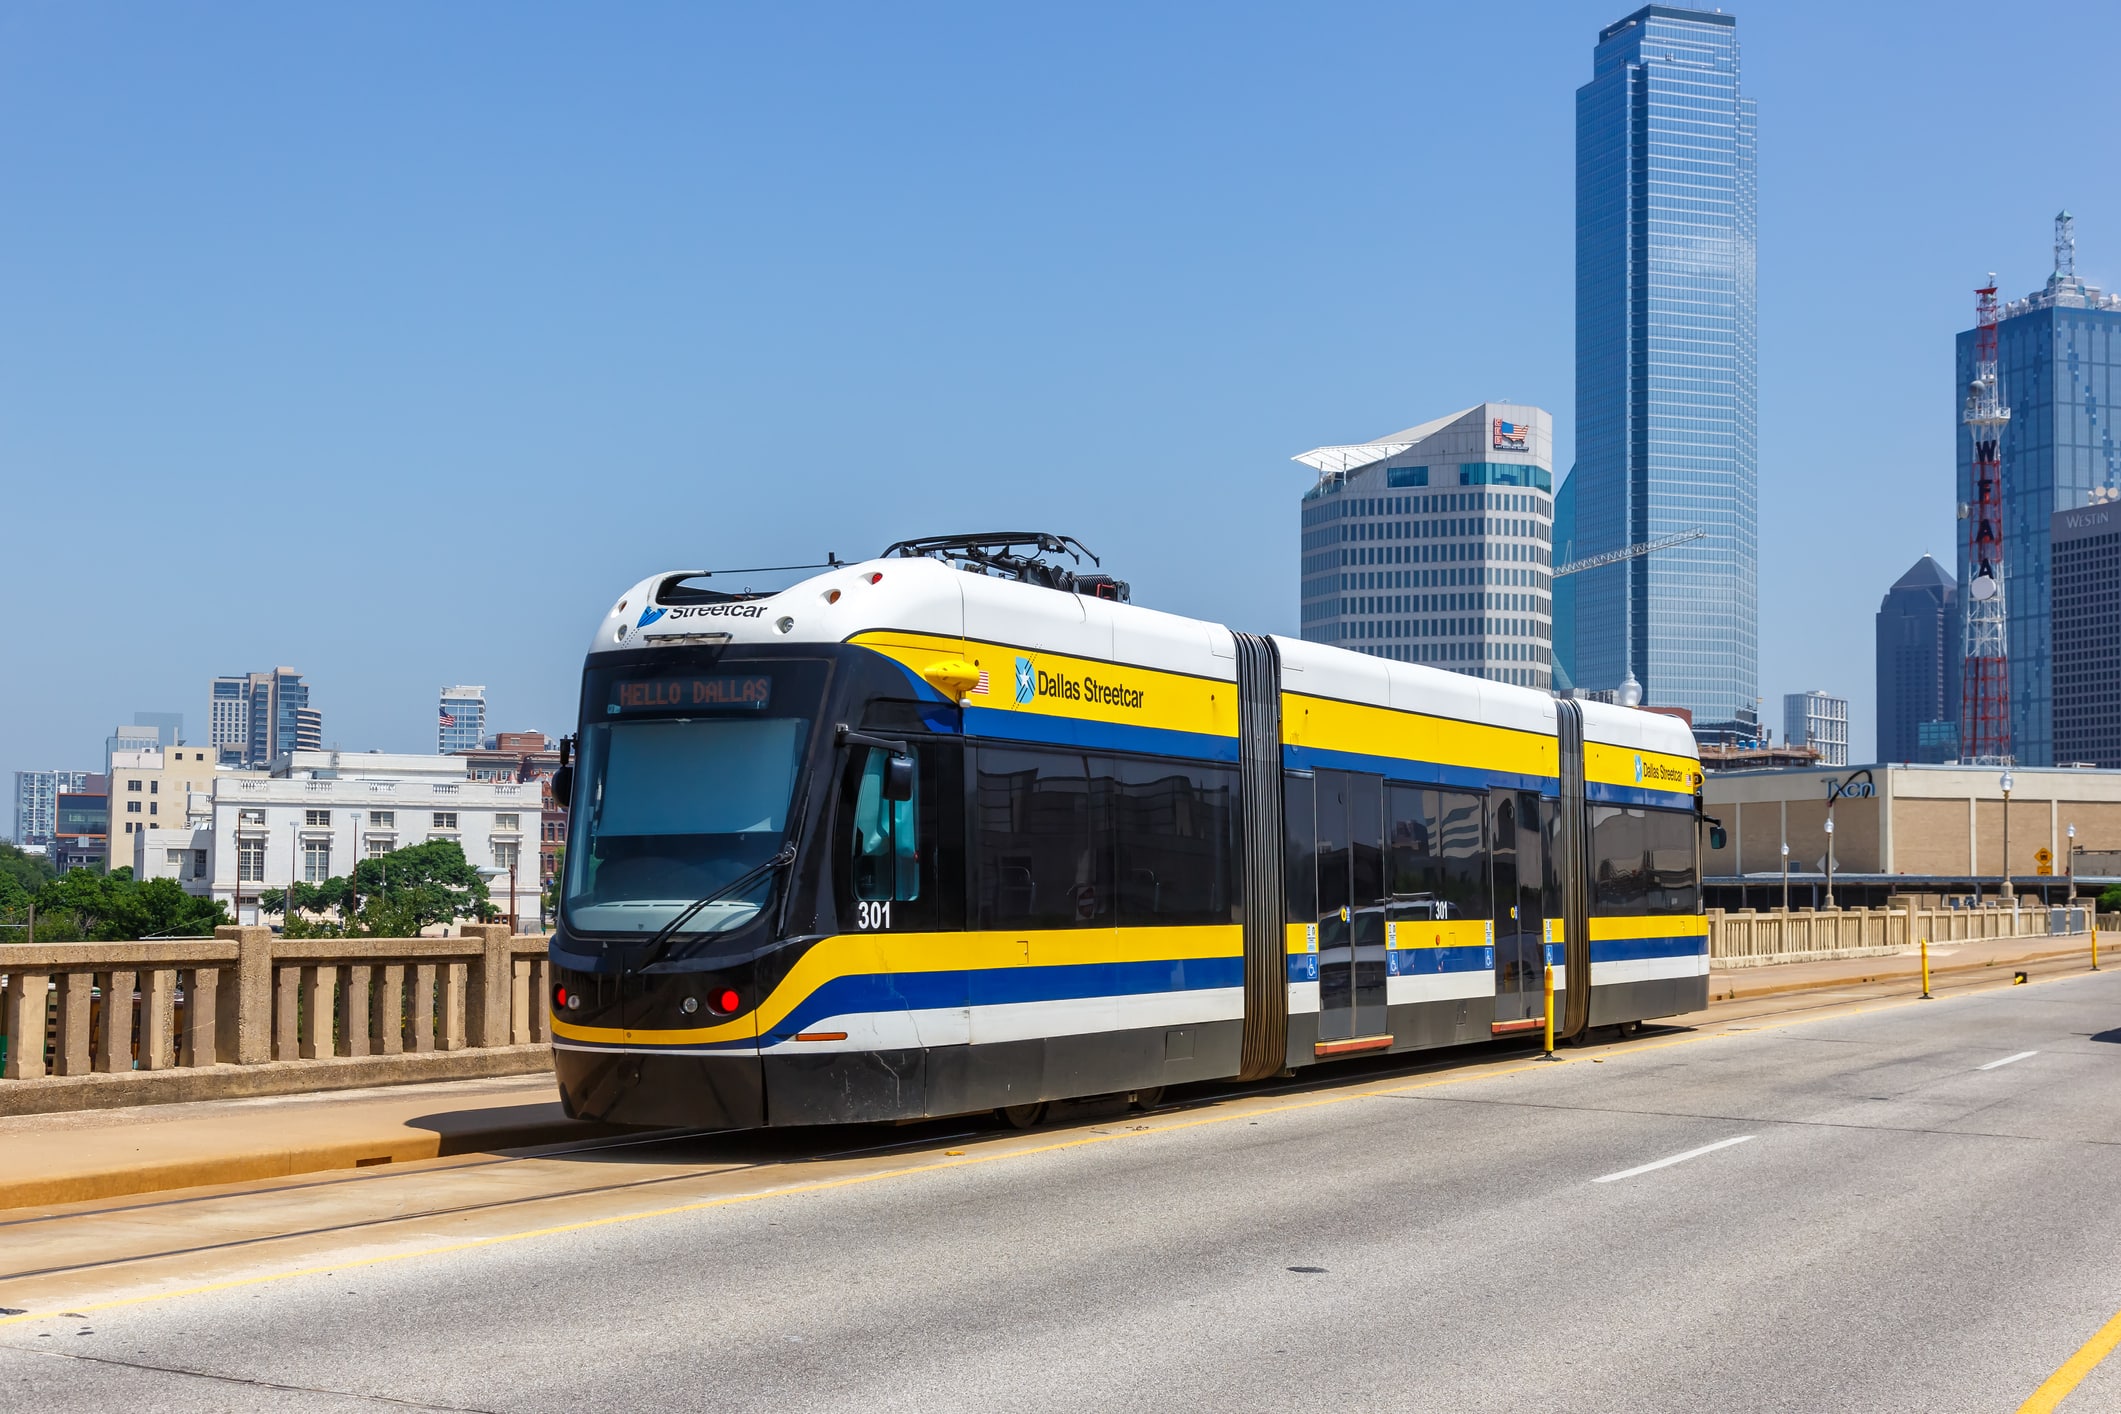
1665, 372
2058, 369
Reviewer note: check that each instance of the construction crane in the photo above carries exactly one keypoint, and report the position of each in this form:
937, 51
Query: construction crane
1614, 557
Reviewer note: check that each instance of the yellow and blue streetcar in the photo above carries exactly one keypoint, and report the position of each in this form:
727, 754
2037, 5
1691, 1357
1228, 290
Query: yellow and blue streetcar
955, 829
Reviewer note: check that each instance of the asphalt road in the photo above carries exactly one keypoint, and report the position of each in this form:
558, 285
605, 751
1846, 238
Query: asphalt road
1913, 1207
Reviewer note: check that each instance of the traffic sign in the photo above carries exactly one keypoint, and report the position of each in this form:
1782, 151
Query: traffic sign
2044, 860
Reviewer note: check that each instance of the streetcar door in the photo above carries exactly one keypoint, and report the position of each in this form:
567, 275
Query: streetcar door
1519, 974
1351, 906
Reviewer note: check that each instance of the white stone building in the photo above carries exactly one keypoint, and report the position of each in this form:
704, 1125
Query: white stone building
320, 811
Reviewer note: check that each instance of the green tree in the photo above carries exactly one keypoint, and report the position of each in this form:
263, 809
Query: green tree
160, 908
394, 896
29, 871
14, 906
114, 908
75, 905
2110, 901
414, 887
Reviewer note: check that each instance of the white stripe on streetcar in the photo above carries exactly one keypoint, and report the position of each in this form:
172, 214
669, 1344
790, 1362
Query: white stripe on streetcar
2007, 1060
1675, 1159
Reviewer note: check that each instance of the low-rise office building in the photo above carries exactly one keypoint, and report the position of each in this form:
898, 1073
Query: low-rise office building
1937, 831
152, 789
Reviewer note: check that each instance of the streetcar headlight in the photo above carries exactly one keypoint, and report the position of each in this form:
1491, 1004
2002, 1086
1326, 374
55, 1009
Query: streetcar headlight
689, 1005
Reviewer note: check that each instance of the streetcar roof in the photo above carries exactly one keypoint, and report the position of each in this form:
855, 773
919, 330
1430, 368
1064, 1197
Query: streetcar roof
928, 597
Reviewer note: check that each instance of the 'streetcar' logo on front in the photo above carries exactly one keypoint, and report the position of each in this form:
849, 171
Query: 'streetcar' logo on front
1026, 681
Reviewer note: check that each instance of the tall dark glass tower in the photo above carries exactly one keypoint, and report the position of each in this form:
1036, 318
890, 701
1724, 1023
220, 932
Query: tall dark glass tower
2058, 369
1918, 666
1665, 371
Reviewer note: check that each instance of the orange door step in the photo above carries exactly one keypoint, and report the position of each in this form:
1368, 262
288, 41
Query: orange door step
1352, 1047
1504, 1028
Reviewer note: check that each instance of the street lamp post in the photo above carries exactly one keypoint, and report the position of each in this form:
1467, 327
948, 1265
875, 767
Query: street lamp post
2009, 892
2071, 863
1785, 876
1829, 860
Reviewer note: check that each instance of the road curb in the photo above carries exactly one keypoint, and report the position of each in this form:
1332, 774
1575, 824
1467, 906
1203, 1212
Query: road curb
388, 1146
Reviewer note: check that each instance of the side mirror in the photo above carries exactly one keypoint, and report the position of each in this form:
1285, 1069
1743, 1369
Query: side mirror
898, 777
1719, 838
563, 775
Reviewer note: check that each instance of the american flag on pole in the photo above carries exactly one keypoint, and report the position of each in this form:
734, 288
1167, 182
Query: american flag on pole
447, 719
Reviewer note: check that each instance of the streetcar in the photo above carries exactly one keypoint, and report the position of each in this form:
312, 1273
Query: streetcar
961, 829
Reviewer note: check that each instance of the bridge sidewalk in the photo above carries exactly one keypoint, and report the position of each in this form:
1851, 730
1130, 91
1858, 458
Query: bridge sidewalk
1947, 959
88, 1154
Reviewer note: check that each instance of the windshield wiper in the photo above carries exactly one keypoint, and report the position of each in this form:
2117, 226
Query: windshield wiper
660, 941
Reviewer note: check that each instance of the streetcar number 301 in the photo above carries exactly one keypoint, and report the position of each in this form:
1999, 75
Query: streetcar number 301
873, 915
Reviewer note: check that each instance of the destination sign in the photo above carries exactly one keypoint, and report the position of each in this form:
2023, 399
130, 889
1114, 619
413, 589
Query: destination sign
685, 692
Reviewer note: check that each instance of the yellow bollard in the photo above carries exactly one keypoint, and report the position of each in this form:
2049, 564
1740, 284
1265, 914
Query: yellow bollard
1926, 970
1550, 1011
2095, 941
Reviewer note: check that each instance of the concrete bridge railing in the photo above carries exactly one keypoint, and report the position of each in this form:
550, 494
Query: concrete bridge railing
89, 1025
1753, 939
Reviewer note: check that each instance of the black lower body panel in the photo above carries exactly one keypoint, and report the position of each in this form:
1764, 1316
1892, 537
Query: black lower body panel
1640, 1001
683, 1090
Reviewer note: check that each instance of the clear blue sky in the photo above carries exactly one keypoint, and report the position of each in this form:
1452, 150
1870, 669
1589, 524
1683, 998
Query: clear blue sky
392, 341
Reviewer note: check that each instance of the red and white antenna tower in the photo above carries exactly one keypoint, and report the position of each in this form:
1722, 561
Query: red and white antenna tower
1985, 687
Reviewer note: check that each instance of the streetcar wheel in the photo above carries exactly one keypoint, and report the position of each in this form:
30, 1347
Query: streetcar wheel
1630, 1028
1022, 1116
1146, 1099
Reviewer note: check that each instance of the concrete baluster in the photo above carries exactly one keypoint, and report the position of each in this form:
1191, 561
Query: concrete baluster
77, 993
158, 1031
23, 1020
114, 1039
455, 983
424, 1005
390, 1010
197, 1045
356, 1024
320, 1002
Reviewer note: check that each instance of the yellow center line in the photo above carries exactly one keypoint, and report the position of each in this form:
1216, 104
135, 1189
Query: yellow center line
2057, 1386
1236, 1110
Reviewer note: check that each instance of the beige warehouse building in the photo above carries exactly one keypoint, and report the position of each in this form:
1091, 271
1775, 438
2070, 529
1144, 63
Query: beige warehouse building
1932, 830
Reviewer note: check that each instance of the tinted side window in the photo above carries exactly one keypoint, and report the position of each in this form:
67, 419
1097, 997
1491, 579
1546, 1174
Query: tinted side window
1616, 860
1673, 886
1413, 872
1459, 824
1300, 821
1038, 861
1176, 823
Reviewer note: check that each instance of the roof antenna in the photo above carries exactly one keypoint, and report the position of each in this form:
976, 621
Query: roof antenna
2066, 246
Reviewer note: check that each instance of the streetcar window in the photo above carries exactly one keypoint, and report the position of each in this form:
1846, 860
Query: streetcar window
1458, 821
1437, 851
1643, 861
886, 835
667, 810
1038, 866
1176, 823
1412, 869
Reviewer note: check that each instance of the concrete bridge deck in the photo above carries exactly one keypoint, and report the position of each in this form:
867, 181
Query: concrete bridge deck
1837, 1199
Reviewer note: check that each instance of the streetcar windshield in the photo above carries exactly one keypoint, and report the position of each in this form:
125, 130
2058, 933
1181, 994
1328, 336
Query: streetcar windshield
670, 808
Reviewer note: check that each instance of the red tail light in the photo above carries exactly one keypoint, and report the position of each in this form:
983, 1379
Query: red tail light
728, 1002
